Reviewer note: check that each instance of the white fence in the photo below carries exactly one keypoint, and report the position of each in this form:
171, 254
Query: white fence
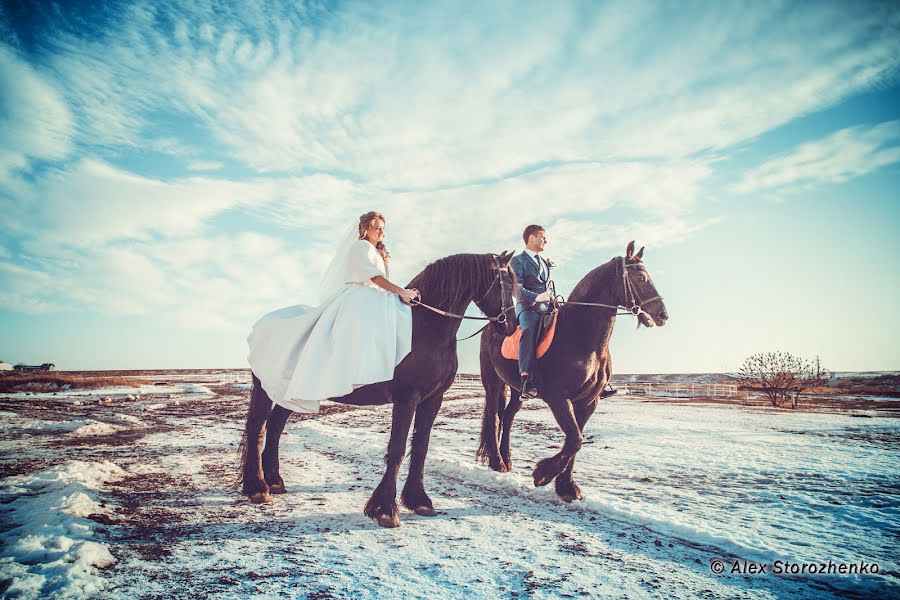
676, 390
467, 381
681, 390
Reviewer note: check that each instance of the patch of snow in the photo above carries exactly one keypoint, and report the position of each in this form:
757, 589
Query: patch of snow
13, 424
129, 419
194, 388
98, 428
48, 543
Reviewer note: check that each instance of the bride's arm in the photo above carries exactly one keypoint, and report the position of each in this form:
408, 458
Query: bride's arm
406, 295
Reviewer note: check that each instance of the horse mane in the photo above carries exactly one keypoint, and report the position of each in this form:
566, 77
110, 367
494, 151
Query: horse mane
454, 280
591, 283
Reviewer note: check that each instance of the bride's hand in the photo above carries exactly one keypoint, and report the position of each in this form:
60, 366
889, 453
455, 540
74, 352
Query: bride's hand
407, 296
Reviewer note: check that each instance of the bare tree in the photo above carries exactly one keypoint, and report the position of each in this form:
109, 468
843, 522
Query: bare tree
781, 376
810, 375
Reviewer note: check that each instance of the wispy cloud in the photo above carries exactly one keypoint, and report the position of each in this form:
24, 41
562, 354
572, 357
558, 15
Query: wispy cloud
204, 165
116, 243
37, 123
845, 154
441, 96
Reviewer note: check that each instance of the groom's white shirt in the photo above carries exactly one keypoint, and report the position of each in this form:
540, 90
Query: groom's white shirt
542, 269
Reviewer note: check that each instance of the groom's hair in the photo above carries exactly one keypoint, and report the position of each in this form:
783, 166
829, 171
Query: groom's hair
530, 231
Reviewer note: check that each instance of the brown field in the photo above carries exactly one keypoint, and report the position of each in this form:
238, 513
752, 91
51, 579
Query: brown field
56, 381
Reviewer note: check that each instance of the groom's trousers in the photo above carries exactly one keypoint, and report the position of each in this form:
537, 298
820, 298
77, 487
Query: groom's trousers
529, 321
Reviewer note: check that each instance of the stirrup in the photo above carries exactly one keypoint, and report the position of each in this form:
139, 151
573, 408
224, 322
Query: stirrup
610, 391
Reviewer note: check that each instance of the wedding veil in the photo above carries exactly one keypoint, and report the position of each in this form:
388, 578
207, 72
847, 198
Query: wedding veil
335, 276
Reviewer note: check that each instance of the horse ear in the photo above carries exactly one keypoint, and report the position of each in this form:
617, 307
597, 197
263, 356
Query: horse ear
506, 257
629, 252
640, 253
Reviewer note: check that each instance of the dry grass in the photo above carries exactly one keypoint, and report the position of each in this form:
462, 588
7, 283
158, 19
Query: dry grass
55, 382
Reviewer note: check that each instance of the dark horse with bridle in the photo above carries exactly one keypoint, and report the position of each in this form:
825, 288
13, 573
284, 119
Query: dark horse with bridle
573, 371
417, 389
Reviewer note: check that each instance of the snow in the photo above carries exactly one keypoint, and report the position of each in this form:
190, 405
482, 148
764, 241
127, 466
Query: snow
112, 391
15, 424
98, 428
668, 488
48, 541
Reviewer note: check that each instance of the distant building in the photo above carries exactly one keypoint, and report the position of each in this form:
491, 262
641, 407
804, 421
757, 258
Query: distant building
43, 367
5, 366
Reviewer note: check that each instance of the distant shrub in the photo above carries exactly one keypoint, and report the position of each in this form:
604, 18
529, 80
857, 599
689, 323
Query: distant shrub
781, 376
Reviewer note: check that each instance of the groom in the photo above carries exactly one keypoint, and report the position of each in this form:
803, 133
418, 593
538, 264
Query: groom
532, 273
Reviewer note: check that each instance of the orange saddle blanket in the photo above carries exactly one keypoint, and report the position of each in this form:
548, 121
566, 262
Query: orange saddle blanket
510, 347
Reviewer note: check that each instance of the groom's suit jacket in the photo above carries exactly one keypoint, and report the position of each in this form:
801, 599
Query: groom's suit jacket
531, 283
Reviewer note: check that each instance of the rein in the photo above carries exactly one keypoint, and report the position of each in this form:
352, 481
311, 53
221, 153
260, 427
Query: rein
631, 296
501, 318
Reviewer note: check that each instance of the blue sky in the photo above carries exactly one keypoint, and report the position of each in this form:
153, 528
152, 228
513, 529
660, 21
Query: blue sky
170, 174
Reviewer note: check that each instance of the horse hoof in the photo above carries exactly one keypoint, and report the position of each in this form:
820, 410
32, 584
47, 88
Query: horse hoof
260, 498
568, 498
425, 511
539, 479
277, 488
388, 521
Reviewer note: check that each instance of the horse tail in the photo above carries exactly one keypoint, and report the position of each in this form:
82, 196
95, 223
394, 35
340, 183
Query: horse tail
242, 454
494, 401
258, 410
491, 422
489, 417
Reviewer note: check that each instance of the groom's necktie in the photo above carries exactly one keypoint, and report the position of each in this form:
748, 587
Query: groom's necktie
540, 265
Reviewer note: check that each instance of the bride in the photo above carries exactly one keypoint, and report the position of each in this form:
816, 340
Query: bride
356, 336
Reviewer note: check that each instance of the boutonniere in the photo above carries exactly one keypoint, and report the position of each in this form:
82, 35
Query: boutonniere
550, 263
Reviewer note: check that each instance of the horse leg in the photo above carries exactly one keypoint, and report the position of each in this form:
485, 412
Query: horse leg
549, 468
566, 488
494, 403
254, 483
506, 421
382, 504
413, 495
271, 467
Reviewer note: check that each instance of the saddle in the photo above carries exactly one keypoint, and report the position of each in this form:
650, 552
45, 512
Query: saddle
546, 330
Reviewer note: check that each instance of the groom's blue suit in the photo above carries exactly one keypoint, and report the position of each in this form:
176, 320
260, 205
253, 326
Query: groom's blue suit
532, 281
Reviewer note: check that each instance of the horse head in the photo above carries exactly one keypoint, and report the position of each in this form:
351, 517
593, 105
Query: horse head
499, 299
640, 294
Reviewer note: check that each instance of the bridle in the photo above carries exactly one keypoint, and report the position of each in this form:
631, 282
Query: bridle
630, 294
500, 318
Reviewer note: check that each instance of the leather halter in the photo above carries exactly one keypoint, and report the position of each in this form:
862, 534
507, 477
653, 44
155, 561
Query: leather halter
631, 295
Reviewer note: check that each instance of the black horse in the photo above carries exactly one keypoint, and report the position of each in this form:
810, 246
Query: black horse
574, 370
417, 389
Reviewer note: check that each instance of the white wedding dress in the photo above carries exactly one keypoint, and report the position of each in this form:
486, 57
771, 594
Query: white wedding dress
356, 336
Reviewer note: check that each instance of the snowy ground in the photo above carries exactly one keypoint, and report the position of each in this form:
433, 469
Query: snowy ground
129, 494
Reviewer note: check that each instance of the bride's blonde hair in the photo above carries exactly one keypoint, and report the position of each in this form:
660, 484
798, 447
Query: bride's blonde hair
365, 221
